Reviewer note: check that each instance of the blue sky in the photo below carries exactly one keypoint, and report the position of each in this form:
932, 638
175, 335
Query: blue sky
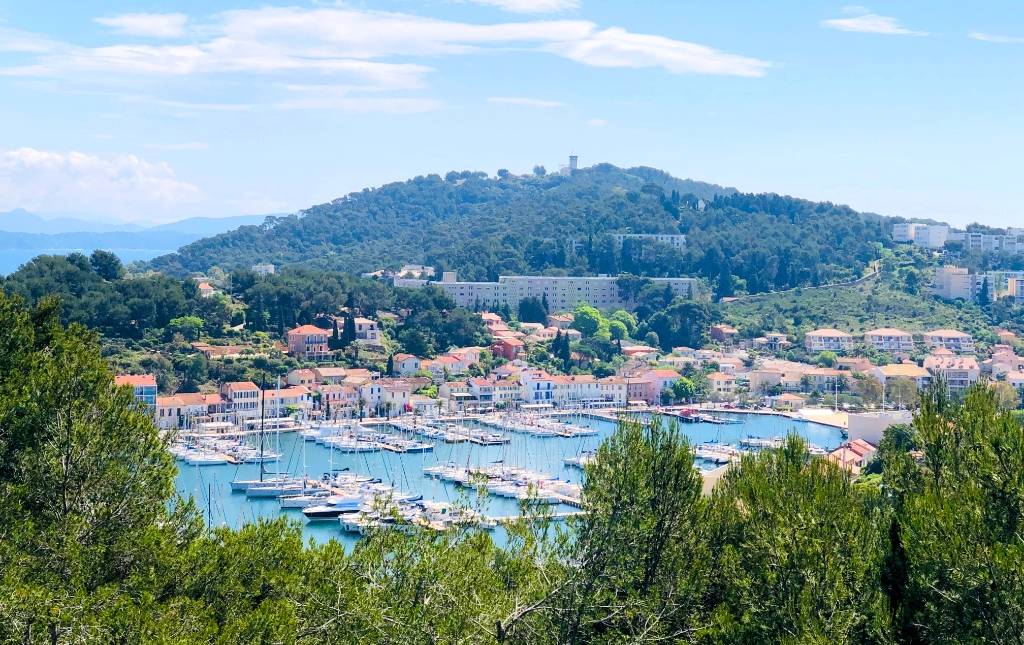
160, 110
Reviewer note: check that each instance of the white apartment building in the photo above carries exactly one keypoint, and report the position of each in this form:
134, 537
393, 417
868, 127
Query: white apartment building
888, 339
953, 282
561, 292
957, 372
931, 236
951, 339
904, 231
676, 241
991, 243
833, 340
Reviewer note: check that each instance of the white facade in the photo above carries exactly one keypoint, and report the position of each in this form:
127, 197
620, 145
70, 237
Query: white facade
953, 282
890, 340
931, 236
951, 339
904, 231
676, 241
561, 292
833, 340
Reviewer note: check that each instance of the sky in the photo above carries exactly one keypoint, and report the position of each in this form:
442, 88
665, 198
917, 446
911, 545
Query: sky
152, 111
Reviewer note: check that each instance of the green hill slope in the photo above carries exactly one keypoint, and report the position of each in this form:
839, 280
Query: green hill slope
483, 227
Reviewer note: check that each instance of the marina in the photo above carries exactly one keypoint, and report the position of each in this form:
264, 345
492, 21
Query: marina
355, 462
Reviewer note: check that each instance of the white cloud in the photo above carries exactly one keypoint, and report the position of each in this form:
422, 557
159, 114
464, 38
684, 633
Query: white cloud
531, 6
524, 102
996, 38
361, 53
615, 47
870, 23
597, 123
188, 145
152, 25
123, 186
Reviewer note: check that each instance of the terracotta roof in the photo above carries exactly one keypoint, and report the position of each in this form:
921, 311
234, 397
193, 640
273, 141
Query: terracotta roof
828, 332
948, 333
906, 370
887, 331
306, 330
720, 376
135, 380
237, 386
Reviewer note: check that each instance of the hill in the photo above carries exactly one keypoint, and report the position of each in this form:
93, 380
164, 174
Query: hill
483, 227
870, 304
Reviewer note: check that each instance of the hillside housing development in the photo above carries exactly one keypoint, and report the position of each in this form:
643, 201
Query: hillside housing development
561, 292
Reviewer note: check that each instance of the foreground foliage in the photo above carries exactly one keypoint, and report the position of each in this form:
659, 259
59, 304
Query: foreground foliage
787, 548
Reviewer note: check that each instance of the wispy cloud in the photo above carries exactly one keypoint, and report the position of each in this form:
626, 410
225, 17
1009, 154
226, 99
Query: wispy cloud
870, 23
597, 123
531, 6
524, 102
153, 25
615, 47
996, 38
368, 59
123, 185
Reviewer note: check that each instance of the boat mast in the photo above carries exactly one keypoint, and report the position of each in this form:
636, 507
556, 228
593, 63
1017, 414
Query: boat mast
263, 416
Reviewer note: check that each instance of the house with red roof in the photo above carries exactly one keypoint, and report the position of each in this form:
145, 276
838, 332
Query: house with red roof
309, 342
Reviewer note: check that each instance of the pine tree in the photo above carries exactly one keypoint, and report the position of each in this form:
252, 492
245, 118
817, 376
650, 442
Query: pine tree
391, 364
348, 335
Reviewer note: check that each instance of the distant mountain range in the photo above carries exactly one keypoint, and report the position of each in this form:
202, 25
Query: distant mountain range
24, 235
20, 220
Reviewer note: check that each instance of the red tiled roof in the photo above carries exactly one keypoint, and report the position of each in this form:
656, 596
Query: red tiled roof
135, 380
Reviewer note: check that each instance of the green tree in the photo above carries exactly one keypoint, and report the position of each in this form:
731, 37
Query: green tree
190, 327
587, 320
106, 265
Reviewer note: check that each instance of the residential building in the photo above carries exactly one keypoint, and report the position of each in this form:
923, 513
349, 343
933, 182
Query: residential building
676, 241
871, 426
931, 236
655, 382
853, 455
822, 379
723, 333
331, 374
367, 331
560, 321
786, 401
723, 386
206, 290
957, 372
1016, 379
264, 269
562, 292
443, 367
507, 348
833, 340
304, 377
405, 364
181, 410
143, 387
910, 371
951, 339
309, 342
904, 232
888, 339
952, 283
241, 398
338, 401
854, 364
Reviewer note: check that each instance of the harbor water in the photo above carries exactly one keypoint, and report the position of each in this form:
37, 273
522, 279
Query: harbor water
210, 486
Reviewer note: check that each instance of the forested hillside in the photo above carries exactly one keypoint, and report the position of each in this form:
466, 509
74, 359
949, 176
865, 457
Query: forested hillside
483, 227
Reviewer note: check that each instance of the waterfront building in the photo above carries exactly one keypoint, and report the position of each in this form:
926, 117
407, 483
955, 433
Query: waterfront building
143, 387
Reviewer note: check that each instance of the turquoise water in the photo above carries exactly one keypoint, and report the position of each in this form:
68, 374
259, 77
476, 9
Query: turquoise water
210, 485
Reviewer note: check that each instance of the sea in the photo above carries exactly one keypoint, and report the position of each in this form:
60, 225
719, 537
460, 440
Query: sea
210, 486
